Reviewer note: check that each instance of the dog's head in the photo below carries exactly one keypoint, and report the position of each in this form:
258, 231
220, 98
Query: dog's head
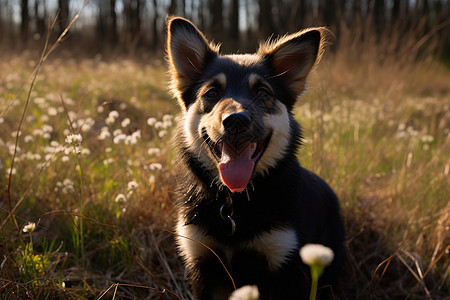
237, 108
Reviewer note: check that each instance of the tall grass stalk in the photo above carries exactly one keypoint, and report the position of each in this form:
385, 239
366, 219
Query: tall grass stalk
81, 208
79, 237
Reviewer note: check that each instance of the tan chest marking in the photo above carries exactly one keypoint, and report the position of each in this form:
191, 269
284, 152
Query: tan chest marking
276, 245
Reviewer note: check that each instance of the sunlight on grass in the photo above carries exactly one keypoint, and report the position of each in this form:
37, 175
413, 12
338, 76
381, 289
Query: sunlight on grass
101, 206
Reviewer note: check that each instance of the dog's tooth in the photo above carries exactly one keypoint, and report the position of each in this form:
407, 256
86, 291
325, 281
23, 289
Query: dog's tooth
252, 148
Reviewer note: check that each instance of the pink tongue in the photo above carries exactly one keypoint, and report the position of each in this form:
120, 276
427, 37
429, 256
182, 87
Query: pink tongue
236, 167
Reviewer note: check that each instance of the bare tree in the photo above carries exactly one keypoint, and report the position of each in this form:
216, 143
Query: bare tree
234, 23
40, 14
25, 20
63, 6
217, 24
266, 24
113, 23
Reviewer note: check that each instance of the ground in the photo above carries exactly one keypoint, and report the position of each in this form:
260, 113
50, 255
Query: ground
85, 155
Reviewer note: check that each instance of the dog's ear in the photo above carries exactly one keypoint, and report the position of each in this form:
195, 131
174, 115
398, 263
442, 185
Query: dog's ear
293, 56
187, 53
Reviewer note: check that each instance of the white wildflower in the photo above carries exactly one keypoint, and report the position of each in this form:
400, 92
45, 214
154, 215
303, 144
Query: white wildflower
155, 166
54, 144
15, 133
37, 132
119, 138
39, 100
113, 114
74, 139
427, 138
247, 292
12, 148
151, 121
125, 122
86, 127
167, 118
130, 140
313, 254
154, 151
109, 121
30, 227
159, 124
117, 132
65, 158
137, 134
28, 138
104, 133
120, 198
65, 187
162, 133
47, 128
67, 181
108, 161
132, 185
52, 111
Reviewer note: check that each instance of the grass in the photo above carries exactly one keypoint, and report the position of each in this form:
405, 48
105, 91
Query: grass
379, 134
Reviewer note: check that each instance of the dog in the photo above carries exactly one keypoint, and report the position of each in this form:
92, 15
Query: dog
245, 205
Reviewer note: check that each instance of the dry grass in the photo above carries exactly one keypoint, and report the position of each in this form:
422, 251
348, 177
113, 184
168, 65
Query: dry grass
379, 134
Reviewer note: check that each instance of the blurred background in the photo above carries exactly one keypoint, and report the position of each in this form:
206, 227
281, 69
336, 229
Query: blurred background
400, 27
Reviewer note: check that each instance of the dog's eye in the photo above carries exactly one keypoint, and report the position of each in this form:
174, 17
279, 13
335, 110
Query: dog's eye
262, 93
212, 93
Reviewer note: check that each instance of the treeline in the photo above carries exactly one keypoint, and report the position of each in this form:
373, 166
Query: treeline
130, 25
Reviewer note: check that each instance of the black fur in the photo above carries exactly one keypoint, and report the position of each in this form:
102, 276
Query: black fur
291, 196
285, 196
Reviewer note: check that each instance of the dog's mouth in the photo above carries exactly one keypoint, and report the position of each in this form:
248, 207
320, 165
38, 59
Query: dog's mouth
236, 162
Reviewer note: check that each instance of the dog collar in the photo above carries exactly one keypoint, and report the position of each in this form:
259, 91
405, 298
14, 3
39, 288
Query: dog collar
226, 213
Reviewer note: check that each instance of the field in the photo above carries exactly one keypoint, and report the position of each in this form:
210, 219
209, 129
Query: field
85, 156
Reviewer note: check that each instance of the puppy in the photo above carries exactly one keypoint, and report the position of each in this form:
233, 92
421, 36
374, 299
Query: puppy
245, 205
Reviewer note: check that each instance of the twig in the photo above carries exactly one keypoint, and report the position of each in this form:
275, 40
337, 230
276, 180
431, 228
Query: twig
43, 58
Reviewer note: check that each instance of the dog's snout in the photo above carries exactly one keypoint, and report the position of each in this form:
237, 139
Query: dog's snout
236, 121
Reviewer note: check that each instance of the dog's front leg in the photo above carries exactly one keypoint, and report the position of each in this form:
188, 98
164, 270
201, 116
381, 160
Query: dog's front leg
209, 280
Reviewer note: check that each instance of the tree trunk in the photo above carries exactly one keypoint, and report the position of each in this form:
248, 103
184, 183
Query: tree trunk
234, 23
25, 21
265, 18
63, 14
40, 16
113, 22
216, 9
155, 25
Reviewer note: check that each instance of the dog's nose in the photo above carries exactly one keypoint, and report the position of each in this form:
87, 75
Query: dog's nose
236, 121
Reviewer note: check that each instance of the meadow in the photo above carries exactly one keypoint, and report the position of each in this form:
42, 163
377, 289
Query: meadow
87, 171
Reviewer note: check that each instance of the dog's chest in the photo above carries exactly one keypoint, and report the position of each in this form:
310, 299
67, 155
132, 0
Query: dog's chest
275, 245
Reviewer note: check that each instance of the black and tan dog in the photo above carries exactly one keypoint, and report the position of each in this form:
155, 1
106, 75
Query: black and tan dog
242, 192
